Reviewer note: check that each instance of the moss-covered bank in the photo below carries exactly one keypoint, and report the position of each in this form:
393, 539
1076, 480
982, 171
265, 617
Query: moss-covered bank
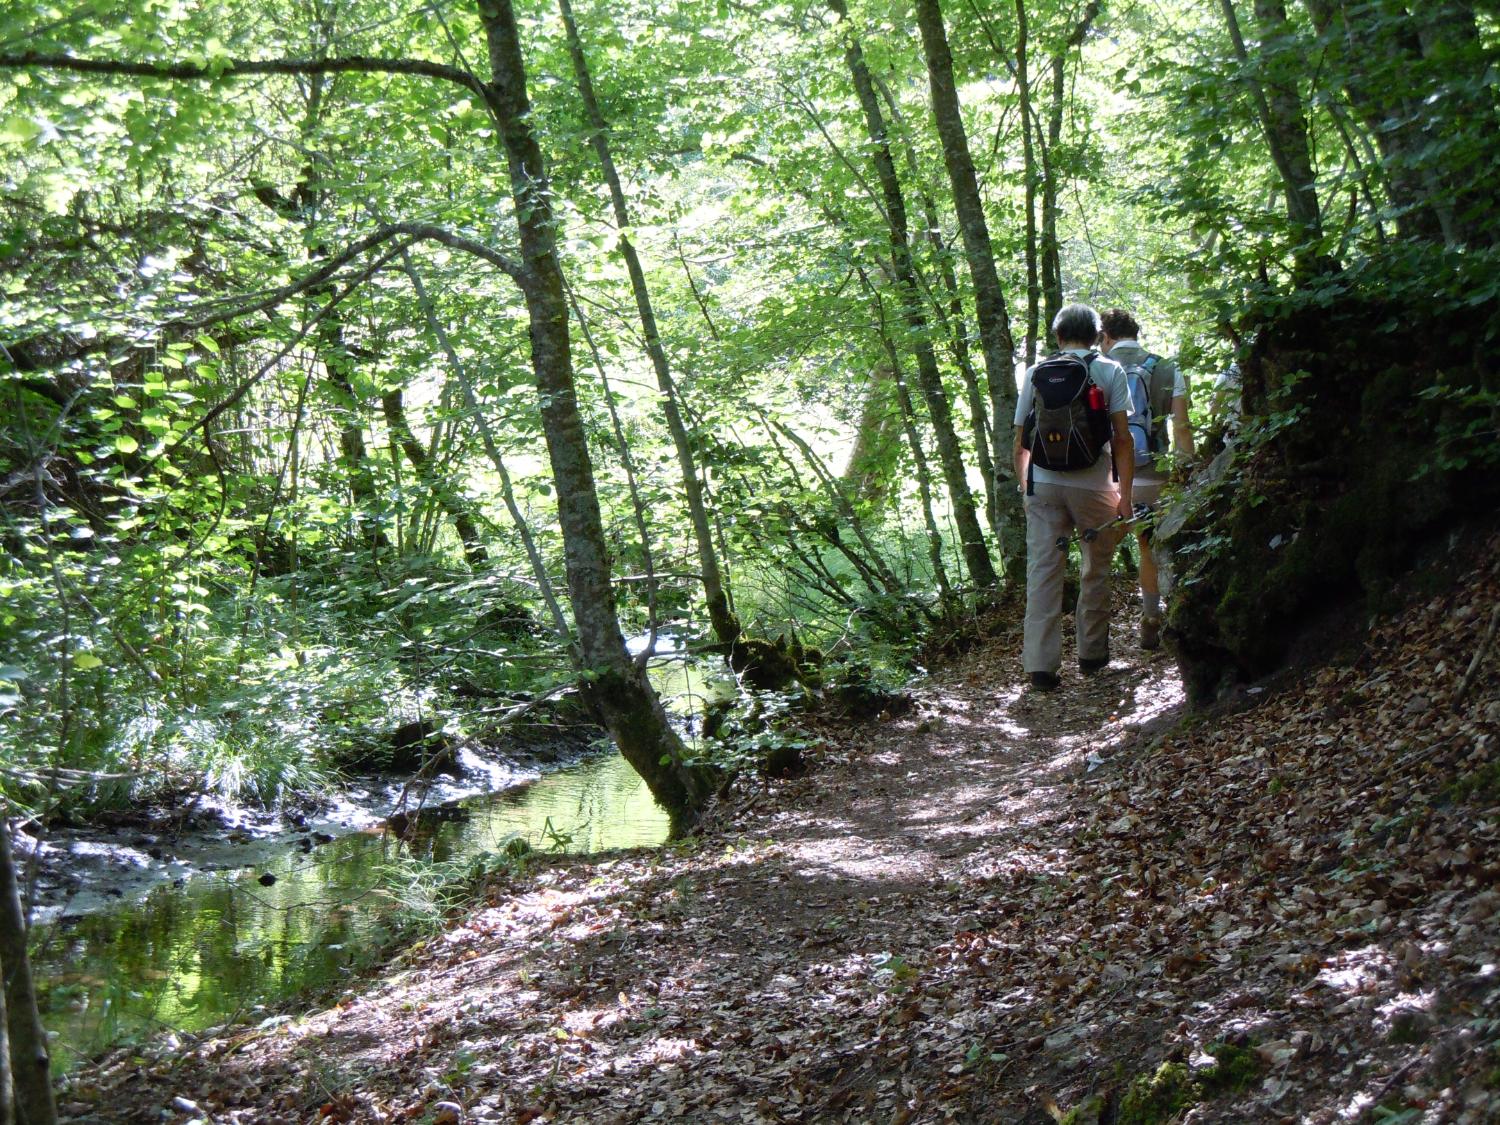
1370, 426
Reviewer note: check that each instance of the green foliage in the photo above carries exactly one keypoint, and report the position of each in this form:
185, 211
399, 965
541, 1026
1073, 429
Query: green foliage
425, 893
1484, 782
1086, 1112
758, 730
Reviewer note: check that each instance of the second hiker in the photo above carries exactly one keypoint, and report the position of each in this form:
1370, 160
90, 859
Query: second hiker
1158, 422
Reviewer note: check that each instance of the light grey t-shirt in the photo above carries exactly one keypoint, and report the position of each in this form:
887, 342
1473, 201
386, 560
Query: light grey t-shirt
1099, 477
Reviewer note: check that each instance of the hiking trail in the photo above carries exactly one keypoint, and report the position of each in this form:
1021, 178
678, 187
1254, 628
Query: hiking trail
994, 907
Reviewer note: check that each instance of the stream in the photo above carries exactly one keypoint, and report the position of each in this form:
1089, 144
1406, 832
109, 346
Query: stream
295, 915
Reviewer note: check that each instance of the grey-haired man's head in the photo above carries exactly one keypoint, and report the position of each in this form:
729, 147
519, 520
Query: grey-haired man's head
1076, 326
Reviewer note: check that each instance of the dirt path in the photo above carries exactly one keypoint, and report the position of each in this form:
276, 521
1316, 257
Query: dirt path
956, 915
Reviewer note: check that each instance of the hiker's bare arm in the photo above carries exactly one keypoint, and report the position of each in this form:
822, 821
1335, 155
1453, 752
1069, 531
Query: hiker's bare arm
1019, 455
1124, 454
1182, 428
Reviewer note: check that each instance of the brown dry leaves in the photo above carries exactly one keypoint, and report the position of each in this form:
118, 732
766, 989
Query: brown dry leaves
996, 901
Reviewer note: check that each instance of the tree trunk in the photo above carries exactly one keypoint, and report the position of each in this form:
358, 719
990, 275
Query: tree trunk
975, 553
870, 471
632, 483
7, 1079
948, 307
1278, 104
1452, 51
353, 454
918, 459
980, 419
1377, 52
1028, 158
492, 448
989, 299
30, 1064
393, 405
630, 708
1053, 166
1052, 283
725, 626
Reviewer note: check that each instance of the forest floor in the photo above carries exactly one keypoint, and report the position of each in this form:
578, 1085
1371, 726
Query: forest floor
996, 907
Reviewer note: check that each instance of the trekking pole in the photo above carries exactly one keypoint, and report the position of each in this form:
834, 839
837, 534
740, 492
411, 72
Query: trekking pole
1089, 534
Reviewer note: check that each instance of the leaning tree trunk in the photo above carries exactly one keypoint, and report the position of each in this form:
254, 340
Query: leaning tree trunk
965, 517
393, 405
726, 626
948, 307
914, 442
869, 474
7, 1079
989, 299
30, 1065
630, 708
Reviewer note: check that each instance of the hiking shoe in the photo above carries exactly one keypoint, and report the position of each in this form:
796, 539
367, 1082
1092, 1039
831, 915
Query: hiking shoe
1150, 633
1044, 681
1093, 664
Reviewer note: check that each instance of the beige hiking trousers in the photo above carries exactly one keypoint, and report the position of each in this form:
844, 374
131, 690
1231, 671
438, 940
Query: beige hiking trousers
1054, 511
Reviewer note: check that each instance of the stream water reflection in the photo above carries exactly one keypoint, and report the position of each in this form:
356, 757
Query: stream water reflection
191, 956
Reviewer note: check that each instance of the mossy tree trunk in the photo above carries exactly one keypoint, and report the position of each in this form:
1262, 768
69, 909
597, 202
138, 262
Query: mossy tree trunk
627, 703
30, 1064
721, 616
995, 337
939, 410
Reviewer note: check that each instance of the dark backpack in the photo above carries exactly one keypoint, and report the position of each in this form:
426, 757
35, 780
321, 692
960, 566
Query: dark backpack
1068, 426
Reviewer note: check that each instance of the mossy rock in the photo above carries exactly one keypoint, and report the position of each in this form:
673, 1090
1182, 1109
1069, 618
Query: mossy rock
1088, 1112
1159, 1098
769, 665
1329, 513
1235, 1069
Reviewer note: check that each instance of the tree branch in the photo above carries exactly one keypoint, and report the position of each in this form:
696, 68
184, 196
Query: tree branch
236, 68
417, 232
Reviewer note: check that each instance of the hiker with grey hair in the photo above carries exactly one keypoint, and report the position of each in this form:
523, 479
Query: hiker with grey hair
1073, 453
1158, 424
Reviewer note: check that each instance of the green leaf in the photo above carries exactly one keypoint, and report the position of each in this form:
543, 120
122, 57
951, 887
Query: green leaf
18, 130
86, 660
124, 443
